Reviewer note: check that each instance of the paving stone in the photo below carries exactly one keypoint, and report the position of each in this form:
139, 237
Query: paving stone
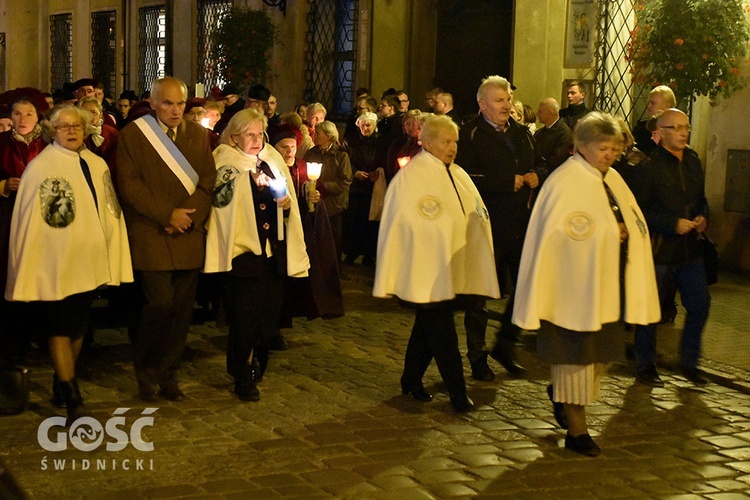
394, 482
452, 490
226, 486
333, 424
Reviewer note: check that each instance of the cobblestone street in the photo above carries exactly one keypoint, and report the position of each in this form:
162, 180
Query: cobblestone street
332, 423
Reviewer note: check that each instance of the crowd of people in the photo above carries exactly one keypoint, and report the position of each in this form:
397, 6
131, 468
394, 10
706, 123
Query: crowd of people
583, 226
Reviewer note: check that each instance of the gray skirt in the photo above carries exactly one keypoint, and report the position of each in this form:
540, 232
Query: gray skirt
561, 346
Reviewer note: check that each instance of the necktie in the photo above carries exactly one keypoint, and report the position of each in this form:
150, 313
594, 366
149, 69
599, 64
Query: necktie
89, 180
170, 134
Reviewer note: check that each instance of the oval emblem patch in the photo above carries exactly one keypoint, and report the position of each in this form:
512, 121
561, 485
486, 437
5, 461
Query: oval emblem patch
579, 225
57, 202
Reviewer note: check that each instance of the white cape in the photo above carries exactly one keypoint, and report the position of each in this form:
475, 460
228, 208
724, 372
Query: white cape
569, 273
232, 230
60, 244
429, 249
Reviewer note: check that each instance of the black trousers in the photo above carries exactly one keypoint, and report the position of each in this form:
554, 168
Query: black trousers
508, 256
434, 336
253, 305
168, 298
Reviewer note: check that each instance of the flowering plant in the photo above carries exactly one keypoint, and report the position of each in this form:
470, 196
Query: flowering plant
694, 46
242, 46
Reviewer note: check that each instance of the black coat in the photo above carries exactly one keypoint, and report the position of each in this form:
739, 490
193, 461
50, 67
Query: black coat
493, 159
666, 190
555, 143
573, 113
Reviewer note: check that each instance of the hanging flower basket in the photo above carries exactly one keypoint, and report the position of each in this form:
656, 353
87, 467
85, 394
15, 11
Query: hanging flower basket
695, 46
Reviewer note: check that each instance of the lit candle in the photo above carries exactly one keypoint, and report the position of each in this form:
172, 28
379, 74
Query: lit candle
205, 122
278, 189
403, 161
313, 173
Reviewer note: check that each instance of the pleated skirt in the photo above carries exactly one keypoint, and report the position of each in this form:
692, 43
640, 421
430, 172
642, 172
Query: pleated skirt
579, 359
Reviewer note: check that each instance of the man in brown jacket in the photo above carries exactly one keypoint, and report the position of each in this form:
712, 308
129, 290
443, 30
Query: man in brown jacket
166, 175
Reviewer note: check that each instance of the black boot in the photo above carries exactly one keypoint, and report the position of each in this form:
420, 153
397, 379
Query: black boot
244, 384
73, 400
57, 398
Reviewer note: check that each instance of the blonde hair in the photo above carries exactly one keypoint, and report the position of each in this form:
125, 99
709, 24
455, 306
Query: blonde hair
240, 122
329, 129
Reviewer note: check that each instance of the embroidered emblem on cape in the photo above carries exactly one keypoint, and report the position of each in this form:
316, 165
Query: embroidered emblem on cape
579, 225
224, 186
57, 202
481, 211
112, 204
429, 207
638, 222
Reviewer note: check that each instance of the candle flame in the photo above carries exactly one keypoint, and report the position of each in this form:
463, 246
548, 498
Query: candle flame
403, 161
313, 170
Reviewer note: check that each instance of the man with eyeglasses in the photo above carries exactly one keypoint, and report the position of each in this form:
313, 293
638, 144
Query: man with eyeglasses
403, 101
669, 189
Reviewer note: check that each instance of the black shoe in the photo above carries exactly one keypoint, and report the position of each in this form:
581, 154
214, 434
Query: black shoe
582, 444
73, 401
649, 378
558, 409
507, 359
244, 384
695, 376
418, 392
461, 402
57, 399
277, 343
171, 392
480, 370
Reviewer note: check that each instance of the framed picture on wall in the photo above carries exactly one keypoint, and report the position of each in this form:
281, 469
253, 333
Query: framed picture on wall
580, 33
586, 86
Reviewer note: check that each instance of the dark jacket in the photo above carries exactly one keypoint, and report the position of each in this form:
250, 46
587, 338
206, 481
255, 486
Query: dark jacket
363, 154
227, 115
335, 177
555, 143
642, 137
666, 190
493, 159
573, 113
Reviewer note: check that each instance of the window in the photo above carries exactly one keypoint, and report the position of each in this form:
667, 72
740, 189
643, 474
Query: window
152, 45
61, 49
331, 55
103, 46
616, 93
210, 13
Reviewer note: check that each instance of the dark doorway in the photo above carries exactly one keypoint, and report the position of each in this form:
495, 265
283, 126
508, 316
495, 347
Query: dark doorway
474, 40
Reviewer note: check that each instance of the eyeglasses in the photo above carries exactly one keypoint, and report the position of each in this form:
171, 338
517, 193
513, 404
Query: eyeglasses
402, 101
68, 126
678, 128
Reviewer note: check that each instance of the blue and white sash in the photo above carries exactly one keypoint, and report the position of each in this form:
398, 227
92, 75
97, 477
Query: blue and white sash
168, 151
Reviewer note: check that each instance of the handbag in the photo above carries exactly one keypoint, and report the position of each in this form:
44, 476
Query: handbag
378, 196
14, 390
711, 260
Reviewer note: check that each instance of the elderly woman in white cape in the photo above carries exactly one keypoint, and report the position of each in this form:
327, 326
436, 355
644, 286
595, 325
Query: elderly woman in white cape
434, 247
67, 239
586, 267
243, 242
